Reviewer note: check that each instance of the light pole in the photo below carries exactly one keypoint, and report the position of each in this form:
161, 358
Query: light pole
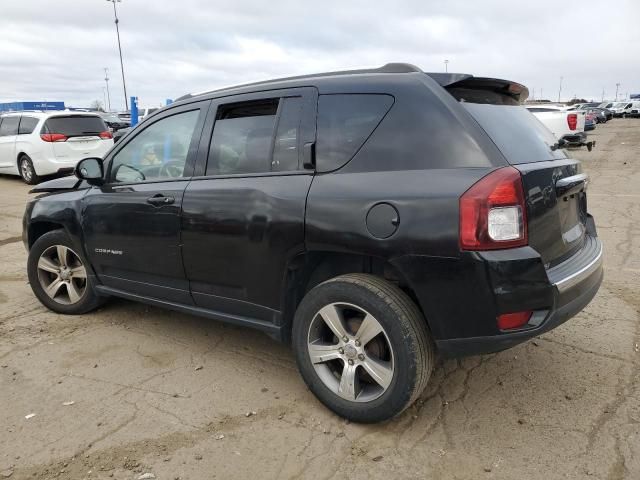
560, 90
446, 68
106, 80
617, 86
124, 85
104, 96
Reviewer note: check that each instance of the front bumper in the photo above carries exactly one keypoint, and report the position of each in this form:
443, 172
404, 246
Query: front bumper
573, 284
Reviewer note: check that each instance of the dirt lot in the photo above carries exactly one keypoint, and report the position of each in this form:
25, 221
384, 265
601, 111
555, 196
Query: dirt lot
169, 394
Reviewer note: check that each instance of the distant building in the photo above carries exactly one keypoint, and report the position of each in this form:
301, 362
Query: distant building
18, 106
634, 96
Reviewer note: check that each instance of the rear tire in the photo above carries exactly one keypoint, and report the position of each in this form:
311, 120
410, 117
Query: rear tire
382, 362
27, 171
59, 275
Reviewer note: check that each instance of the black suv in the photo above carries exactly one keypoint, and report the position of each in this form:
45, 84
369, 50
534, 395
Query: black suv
372, 218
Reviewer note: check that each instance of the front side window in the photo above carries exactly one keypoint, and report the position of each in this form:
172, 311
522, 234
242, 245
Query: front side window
27, 125
9, 126
159, 152
256, 137
344, 123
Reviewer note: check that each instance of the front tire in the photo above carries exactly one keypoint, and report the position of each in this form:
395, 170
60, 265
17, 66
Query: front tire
362, 347
58, 275
27, 171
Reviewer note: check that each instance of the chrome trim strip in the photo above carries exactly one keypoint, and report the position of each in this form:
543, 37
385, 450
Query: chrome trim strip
563, 182
576, 277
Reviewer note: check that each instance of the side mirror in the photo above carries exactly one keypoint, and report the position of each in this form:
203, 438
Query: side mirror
91, 170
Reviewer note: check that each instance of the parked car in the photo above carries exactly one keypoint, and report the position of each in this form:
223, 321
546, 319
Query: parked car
114, 122
372, 218
568, 126
634, 110
120, 133
145, 112
35, 144
599, 113
622, 109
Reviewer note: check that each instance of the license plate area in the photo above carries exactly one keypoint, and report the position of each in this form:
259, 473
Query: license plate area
572, 217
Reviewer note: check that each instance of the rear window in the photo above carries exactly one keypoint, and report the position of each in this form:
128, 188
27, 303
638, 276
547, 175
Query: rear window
344, 123
516, 132
75, 125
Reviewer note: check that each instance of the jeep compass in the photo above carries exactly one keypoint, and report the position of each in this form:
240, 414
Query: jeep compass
370, 218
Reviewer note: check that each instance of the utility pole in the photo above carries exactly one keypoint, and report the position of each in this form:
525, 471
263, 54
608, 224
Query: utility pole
104, 97
106, 80
617, 86
446, 68
560, 90
124, 84
603, 94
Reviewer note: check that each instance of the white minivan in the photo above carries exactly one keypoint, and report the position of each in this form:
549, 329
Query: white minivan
35, 144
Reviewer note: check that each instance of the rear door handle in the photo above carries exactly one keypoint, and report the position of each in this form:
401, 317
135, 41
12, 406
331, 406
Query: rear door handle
159, 199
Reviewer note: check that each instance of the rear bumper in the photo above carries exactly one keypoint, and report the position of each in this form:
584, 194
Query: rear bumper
52, 166
572, 284
462, 297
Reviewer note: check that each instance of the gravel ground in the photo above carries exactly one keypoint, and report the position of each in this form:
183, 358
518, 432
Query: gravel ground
168, 394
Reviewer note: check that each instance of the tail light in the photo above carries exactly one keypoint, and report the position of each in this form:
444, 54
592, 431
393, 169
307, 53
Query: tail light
492, 212
572, 120
106, 135
53, 137
509, 321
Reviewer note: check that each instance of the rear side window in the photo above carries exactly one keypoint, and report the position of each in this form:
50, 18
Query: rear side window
75, 125
9, 126
27, 125
344, 124
256, 137
516, 132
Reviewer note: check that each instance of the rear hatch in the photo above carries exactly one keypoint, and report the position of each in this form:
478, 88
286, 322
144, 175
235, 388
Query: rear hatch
554, 186
75, 137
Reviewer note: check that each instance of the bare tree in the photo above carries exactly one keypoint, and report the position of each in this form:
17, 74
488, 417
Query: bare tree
97, 105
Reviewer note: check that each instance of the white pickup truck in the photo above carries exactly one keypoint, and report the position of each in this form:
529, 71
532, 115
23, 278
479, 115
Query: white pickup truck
567, 126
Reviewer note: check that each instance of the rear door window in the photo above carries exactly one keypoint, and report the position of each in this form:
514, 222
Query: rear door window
516, 132
75, 125
242, 136
27, 125
344, 124
257, 136
9, 126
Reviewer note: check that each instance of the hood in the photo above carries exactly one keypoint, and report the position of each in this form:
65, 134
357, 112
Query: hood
60, 185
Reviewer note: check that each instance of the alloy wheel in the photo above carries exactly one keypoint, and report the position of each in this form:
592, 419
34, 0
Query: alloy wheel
350, 352
26, 170
62, 274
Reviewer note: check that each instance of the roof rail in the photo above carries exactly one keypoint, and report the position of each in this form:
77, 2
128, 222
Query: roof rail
388, 68
20, 111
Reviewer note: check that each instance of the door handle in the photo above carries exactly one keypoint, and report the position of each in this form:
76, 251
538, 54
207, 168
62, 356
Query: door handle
159, 199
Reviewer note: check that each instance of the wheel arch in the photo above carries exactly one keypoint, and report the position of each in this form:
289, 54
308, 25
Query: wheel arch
310, 269
39, 228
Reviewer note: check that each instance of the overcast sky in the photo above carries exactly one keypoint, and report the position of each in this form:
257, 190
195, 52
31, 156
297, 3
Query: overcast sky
57, 50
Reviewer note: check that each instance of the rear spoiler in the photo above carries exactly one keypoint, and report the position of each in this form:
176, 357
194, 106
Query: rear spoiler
508, 88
